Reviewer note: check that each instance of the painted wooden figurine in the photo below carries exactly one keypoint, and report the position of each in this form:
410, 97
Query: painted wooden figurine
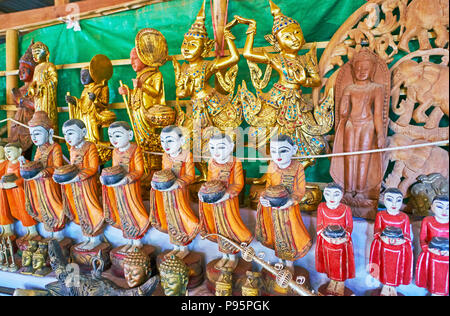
362, 109
43, 88
432, 265
43, 194
24, 104
391, 257
79, 184
122, 199
334, 246
12, 194
279, 224
170, 211
222, 215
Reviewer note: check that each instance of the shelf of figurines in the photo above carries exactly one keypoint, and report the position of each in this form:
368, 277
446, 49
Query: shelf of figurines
362, 284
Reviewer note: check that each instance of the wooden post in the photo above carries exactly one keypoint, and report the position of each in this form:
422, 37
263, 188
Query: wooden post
61, 2
12, 63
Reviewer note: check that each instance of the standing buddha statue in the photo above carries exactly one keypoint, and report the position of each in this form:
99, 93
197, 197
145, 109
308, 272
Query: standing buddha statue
43, 88
92, 106
210, 108
283, 110
24, 104
146, 101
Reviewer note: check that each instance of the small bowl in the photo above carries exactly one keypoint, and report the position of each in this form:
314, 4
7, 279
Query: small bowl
163, 179
334, 231
9, 178
277, 195
439, 243
113, 175
31, 169
212, 191
65, 173
392, 232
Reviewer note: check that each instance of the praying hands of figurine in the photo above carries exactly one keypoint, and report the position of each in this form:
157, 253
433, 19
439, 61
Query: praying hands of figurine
8, 185
438, 252
393, 241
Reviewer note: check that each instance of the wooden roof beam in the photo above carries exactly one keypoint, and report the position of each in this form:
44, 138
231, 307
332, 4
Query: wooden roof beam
33, 19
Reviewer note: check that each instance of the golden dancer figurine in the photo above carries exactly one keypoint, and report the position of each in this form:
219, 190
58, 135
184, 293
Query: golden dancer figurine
283, 110
43, 88
92, 106
211, 109
146, 101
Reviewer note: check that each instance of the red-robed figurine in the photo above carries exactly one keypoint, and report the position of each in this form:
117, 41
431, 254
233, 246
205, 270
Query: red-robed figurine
432, 265
391, 257
334, 247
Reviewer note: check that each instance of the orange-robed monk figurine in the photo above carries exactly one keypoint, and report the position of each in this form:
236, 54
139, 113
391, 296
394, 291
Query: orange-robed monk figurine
81, 193
281, 227
12, 194
223, 216
170, 211
43, 194
122, 201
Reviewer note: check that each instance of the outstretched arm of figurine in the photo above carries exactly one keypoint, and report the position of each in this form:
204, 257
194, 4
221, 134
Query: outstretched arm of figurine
312, 70
249, 53
233, 59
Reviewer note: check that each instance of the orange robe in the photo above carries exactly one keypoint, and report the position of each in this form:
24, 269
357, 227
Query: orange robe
283, 229
80, 199
123, 204
12, 201
43, 195
170, 212
224, 218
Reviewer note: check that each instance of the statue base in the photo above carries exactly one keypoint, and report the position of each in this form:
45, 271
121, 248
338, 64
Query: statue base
363, 208
239, 275
84, 257
117, 257
309, 203
271, 288
323, 290
377, 292
194, 261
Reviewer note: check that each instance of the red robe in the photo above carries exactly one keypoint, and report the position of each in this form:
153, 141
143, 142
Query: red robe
337, 261
391, 264
432, 270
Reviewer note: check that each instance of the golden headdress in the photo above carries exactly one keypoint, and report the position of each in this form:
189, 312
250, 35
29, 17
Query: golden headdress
198, 29
280, 21
27, 58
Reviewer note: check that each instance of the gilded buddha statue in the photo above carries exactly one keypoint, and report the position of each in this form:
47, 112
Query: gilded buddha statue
146, 101
92, 106
43, 88
211, 110
284, 110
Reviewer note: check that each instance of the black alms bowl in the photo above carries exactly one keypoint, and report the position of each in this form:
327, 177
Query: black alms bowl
65, 173
392, 232
334, 231
439, 243
212, 191
31, 169
163, 179
113, 175
277, 195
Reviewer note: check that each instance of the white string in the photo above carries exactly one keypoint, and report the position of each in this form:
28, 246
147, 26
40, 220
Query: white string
363, 152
